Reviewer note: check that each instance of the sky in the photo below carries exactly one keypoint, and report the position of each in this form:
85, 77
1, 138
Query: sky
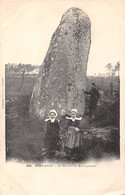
27, 27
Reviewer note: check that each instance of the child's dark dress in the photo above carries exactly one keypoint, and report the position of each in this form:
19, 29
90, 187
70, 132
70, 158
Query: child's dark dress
51, 138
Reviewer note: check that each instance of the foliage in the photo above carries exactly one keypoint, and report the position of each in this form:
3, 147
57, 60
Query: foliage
24, 133
103, 83
19, 68
113, 71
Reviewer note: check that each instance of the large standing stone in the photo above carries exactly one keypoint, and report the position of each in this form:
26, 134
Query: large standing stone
62, 76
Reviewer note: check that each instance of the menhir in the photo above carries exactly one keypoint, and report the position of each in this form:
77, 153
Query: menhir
62, 75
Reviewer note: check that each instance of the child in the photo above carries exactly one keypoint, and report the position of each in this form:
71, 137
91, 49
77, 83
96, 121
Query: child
51, 139
73, 136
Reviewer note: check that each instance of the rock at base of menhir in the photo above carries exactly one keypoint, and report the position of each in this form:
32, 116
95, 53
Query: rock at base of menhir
62, 75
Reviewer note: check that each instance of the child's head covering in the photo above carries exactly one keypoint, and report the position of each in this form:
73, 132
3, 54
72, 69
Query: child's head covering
74, 110
53, 111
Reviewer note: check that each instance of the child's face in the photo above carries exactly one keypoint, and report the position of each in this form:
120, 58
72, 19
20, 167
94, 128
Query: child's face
52, 115
73, 114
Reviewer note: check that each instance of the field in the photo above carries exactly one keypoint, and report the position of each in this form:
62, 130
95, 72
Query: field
24, 134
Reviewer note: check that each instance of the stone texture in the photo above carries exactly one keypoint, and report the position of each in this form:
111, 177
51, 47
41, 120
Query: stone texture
63, 73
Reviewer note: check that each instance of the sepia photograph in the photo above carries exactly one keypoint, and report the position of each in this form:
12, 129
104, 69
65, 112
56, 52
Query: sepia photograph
58, 110
62, 70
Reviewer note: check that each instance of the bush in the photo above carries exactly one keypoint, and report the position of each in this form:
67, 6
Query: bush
24, 133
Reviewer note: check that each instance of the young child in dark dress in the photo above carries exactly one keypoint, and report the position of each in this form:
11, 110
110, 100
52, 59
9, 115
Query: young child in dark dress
51, 138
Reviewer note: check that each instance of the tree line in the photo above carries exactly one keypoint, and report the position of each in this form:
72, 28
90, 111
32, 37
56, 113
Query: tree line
19, 68
113, 71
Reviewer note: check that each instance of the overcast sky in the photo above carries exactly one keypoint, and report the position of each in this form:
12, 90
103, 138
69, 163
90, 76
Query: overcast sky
27, 28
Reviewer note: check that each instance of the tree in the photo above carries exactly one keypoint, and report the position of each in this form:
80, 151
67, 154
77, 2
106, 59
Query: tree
109, 68
117, 68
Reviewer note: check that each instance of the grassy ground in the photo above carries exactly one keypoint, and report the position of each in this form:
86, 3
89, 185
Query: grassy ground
24, 134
